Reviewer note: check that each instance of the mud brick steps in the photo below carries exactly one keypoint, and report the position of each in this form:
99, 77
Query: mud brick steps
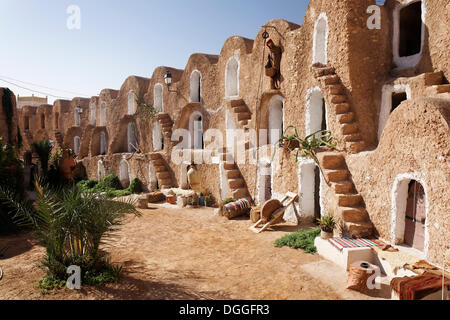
236, 183
351, 207
434, 83
244, 117
162, 173
337, 99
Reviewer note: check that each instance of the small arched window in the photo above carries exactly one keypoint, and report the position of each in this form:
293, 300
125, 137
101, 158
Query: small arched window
196, 130
158, 97
320, 39
158, 137
131, 103
232, 78
103, 143
275, 119
78, 111
132, 137
76, 145
93, 113
103, 114
195, 90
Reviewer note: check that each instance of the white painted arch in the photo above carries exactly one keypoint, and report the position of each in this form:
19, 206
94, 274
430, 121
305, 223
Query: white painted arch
124, 173
408, 61
386, 103
131, 137
103, 114
158, 100
276, 118
399, 199
131, 103
157, 137
76, 144
314, 111
195, 93
196, 125
320, 40
93, 113
232, 70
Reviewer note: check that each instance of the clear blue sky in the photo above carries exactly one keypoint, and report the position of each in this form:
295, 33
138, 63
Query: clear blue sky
119, 38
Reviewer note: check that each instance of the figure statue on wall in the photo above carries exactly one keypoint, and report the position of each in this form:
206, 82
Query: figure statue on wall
273, 64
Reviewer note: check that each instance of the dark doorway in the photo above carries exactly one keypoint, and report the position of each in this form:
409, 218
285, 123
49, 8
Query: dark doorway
397, 99
324, 116
42, 121
410, 29
317, 209
415, 216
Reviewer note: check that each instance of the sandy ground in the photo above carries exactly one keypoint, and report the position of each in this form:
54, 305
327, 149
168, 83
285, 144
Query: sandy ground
172, 253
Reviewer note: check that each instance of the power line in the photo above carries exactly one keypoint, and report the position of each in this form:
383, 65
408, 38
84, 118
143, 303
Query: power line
37, 85
35, 91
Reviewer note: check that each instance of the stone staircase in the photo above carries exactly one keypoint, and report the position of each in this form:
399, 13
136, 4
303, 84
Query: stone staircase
351, 207
337, 98
243, 116
162, 171
166, 123
236, 183
434, 83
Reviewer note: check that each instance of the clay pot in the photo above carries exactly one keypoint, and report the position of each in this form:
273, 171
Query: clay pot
291, 145
271, 72
171, 199
326, 234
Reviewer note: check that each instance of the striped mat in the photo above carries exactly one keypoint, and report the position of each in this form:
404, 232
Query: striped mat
344, 243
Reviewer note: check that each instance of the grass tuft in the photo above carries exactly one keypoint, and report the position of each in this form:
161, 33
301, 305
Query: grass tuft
301, 239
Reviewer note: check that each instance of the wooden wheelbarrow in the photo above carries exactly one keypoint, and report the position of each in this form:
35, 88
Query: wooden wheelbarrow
273, 211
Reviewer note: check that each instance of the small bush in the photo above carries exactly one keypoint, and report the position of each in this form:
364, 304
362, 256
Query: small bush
301, 239
86, 185
50, 283
109, 182
135, 186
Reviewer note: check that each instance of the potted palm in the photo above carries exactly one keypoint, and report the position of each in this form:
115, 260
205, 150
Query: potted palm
327, 224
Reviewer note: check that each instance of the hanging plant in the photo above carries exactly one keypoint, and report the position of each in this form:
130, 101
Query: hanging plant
308, 146
144, 110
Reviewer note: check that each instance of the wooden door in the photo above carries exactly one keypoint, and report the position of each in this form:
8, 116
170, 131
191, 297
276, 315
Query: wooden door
415, 217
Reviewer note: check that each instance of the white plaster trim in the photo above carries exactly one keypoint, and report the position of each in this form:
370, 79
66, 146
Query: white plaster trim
103, 109
124, 162
159, 85
386, 103
200, 85
272, 104
192, 117
321, 16
132, 106
311, 93
238, 60
399, 200
93, 113
264, 163
409, 61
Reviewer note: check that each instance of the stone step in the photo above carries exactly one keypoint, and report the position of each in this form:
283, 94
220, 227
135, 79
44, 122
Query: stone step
354, 215
360, 229
229, 166
336, 99
342, 108
165, 182
233, 174
354, 137
159, 162
346, 117
155, 156
163, 175
336, 89
237, 103
236, 183
244, 116
326, 71
337, 175
349, 128
443, 88
332, 160
356, 146
165, 187
160, 168
240, 109
344, 187
239, 193
350, 200
433, 78
331, 79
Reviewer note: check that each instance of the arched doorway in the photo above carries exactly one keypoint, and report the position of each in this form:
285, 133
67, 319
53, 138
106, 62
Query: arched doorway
196, 130
195, 90
157, 137
310, 189
124, 174
93, 113
275, 119
152, 178
415, 216
76, 145
232, 78
158, 97
131, 103
132, 137
103, 143
316, 112
320, 39
103, 114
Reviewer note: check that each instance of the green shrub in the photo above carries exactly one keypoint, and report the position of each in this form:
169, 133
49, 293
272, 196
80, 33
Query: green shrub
301, 239
135, 186
87, 185
109, 182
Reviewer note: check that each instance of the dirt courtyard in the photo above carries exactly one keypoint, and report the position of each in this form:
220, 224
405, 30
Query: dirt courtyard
172, 253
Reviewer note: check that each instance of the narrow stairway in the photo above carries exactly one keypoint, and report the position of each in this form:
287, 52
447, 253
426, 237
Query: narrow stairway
162, 171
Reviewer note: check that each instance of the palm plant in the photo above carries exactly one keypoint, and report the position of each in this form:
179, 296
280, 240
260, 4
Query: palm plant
71, 225
43, 149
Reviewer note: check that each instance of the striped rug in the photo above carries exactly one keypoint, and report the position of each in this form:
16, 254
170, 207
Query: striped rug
344, 243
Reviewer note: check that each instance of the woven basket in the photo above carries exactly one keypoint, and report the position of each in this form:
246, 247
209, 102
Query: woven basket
271, 71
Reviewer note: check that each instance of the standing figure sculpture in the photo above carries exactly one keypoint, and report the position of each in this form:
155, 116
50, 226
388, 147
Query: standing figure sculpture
273, 65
